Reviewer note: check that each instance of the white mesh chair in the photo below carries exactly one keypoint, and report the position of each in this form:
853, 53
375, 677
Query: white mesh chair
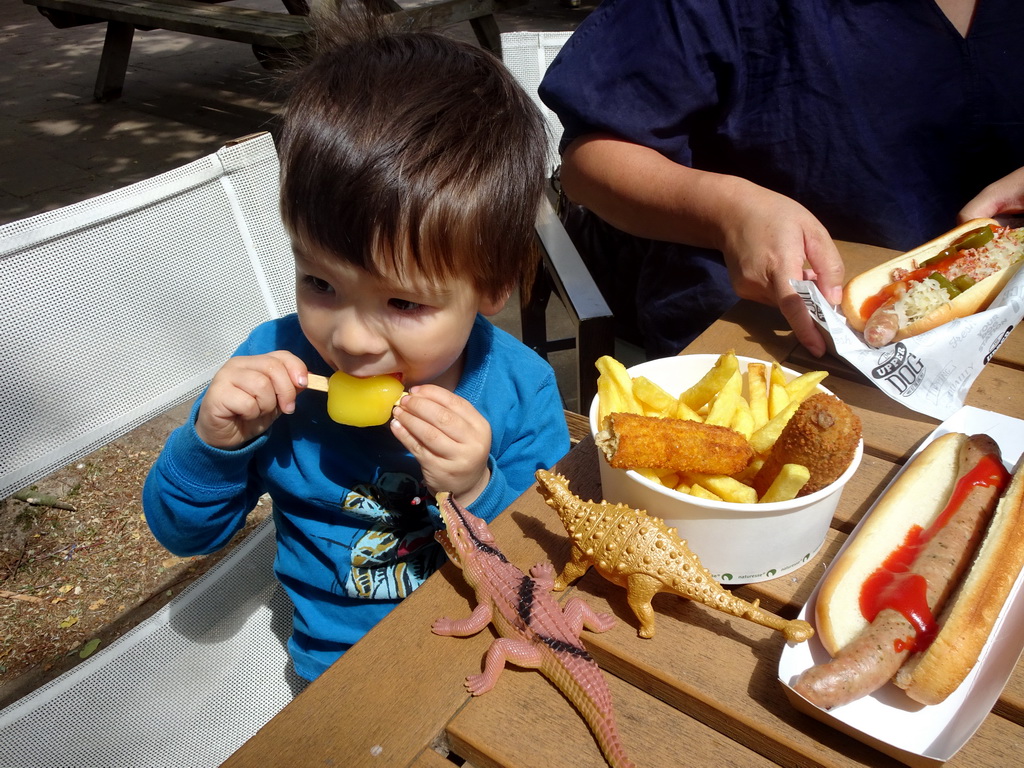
562, 273
122, 306
116, 309
527, 55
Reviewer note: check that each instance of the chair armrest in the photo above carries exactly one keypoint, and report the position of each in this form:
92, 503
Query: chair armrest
587, 308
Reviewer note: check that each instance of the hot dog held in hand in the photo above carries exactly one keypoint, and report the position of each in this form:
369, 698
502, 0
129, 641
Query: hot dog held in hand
954, 275
915, 595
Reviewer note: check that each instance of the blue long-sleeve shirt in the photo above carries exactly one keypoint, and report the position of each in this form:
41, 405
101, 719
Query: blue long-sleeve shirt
354, 519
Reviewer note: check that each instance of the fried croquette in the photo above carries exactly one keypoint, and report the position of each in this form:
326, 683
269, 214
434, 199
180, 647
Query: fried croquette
632, 441
822, 435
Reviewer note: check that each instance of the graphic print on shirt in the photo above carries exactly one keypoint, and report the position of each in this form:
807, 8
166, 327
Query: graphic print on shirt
398, 551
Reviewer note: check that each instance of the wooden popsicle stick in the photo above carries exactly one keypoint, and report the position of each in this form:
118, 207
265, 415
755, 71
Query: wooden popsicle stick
317, 382
320, 384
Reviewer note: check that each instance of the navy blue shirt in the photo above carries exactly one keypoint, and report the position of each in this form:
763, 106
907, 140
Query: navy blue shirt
877, 116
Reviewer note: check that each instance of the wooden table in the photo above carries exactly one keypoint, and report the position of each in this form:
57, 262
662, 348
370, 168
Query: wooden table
703, 691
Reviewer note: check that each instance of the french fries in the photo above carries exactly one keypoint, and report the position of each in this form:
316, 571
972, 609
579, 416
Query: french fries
724, 487
725, 402
804, 385
778, 395
763, 440
711, 383
614, 389
654, 400
757, 387
757, 403
787, 484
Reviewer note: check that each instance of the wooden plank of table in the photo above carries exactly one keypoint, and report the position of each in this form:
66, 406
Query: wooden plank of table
721, 671
1011, 702
862, 490
374, 711
524, 721
431, 758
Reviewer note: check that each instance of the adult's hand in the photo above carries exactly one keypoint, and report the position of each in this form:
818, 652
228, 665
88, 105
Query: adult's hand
1003, 196
769, 240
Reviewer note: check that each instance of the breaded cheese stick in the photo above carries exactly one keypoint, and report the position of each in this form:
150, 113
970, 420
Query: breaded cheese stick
632, 441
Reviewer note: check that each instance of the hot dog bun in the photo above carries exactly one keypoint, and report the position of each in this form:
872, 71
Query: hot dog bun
916, 498
929, 677
976, 298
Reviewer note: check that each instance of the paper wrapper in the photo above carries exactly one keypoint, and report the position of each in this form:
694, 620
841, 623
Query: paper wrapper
931, 373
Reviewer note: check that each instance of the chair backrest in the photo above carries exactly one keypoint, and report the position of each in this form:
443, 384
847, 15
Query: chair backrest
122, 306
116, 309
527, 55
563, 272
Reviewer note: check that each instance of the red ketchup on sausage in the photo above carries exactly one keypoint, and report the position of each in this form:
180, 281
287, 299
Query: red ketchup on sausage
893, 586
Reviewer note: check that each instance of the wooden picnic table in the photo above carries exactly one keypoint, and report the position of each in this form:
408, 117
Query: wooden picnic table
274, 36
703, 691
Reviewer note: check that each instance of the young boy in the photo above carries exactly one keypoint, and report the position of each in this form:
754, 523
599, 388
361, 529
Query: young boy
412, 168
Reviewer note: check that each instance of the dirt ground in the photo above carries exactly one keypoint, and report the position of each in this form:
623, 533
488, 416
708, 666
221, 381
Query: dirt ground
78, 564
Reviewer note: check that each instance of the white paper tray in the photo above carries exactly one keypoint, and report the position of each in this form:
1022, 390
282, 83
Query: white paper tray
889, 720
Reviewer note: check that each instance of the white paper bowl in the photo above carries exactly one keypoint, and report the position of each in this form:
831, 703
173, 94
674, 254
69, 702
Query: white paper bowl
738, 543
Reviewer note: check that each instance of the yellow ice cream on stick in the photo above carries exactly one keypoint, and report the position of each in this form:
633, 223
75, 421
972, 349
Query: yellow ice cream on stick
358, 402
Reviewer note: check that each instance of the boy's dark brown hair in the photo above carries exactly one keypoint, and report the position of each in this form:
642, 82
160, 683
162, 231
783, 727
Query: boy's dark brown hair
408, 142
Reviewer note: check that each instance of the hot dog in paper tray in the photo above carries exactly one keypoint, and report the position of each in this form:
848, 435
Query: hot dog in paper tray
922, 325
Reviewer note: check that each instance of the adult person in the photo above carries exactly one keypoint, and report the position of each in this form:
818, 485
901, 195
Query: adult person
732, 141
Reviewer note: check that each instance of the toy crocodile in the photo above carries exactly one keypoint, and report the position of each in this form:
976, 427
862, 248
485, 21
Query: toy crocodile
535, 631
639, 552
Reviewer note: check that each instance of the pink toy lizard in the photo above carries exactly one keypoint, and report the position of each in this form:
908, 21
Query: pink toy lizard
535, 631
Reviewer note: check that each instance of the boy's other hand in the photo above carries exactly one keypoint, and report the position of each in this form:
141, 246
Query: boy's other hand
247, 395
449, 438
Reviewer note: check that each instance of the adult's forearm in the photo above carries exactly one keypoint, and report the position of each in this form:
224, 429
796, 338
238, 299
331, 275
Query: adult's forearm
640, 191
767, 239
